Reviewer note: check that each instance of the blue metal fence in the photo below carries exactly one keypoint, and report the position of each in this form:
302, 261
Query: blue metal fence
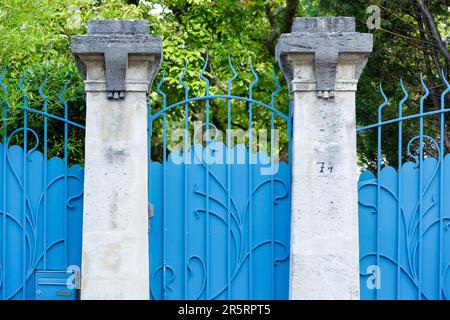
404, 212
220, 229
41, 201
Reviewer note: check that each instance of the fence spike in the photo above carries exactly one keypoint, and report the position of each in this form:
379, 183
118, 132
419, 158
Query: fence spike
22, 80
3, 72
275, 79
427, 92
230, 64
41, 88
158, 88
21, 88
202, 76
383, 104
61, 94
444, 78
180, 79
405, 97
2, 84
255, 75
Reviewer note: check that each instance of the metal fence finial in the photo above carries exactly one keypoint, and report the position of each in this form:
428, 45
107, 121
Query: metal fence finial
21, 88
202, 72
2, 84
427, 92
255, 75
444, 78
61, 94
405, 97
41, 88
277, 90
384, 103
230, 64
180, 79
158, 88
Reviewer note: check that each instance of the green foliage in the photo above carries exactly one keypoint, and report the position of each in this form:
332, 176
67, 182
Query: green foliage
192, 29
36, 35
398, 53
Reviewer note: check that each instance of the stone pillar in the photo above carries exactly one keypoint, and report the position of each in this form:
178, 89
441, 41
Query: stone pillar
118, 61
322, 60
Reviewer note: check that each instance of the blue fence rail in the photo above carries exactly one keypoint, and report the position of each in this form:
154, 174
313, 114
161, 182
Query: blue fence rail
220, 229
41, 202
404, 212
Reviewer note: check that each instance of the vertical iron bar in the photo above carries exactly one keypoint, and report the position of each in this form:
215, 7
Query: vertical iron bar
272, 224
250, 204
164, 210
399, 182
24, 185
441, 180
66, 172
289, 129
250, 177
378, 198
164, 203
5, 150
185, 154
44, 200
272, 187
229, 150
207, 176
149, 155
207, 202
228, 191
422, 99
378, 229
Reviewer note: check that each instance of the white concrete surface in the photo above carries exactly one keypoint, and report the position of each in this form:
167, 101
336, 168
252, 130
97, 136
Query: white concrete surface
115, 262
324, 226
324, 229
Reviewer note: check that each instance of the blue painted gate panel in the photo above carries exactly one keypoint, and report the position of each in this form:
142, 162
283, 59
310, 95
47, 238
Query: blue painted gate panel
409, 242
40, 220
206, 243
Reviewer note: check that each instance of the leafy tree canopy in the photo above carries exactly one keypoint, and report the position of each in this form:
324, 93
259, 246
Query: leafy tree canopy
36, 35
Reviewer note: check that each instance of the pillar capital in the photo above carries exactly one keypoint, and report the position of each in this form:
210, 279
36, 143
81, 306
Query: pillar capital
323, 54
117, 56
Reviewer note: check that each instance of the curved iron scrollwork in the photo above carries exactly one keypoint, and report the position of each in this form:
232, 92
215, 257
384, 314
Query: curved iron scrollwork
40, 201
403, 213
237, 223
223, 231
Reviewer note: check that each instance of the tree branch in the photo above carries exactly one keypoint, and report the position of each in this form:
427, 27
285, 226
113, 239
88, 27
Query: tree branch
432, 48
289, 15
135, 2
289, 11
426, 58
434, 30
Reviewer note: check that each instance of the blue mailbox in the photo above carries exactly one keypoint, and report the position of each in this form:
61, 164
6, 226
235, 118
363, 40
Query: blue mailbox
54, 285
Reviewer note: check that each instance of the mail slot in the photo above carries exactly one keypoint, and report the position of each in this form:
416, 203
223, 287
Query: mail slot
53, 285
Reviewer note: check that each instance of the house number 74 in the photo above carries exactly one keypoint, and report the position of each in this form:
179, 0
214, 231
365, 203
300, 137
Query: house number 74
325, 167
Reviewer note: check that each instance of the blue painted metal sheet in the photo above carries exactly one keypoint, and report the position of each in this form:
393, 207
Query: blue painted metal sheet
396, 249
404, 212
221, 228
51, 238
193, 257
40, 200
